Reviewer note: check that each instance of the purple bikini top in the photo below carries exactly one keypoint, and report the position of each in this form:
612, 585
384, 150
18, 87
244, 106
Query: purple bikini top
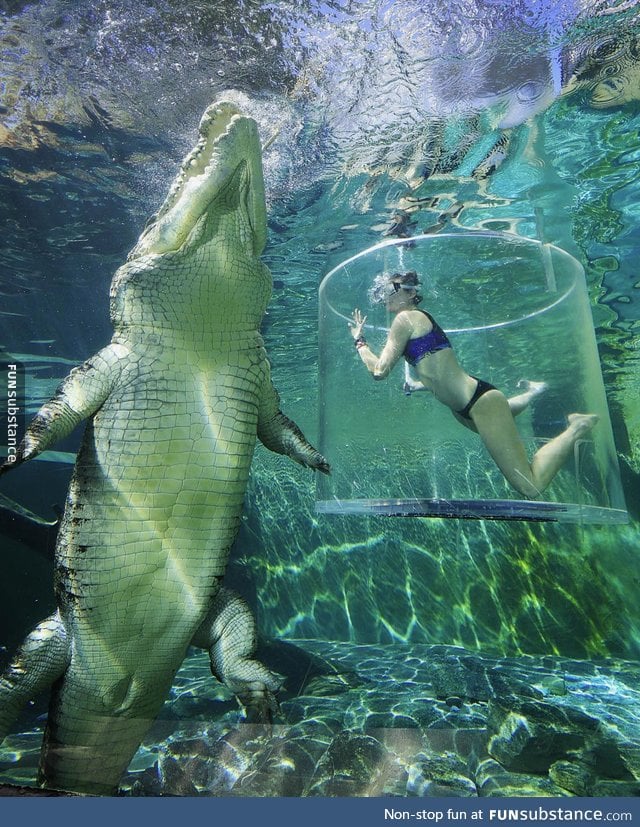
431, 342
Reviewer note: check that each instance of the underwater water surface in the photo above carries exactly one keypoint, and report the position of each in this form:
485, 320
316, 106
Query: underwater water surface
422, 656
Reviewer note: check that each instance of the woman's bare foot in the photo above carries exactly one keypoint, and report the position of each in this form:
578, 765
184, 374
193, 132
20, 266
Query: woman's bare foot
582, 423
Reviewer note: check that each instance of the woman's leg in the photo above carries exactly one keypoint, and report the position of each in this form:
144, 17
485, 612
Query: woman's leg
496, 426
522, 401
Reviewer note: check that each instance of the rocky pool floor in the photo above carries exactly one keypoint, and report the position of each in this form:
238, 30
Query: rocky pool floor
390, 720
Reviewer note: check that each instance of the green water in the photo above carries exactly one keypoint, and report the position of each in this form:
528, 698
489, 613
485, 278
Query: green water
432, 580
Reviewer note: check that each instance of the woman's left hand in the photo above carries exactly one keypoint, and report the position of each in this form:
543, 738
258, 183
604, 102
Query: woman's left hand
357, 324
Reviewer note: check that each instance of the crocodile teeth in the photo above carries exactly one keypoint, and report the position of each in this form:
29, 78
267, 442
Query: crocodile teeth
215, 125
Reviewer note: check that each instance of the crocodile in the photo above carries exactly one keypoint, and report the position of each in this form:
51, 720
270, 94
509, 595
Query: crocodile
174, 406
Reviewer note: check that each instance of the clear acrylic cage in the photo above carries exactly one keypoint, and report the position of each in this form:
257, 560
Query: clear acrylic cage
514, 308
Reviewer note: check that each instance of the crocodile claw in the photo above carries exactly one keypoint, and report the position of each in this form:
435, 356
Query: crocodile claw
259, 703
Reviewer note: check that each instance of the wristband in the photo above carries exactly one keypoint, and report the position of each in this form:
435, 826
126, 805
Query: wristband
359, 342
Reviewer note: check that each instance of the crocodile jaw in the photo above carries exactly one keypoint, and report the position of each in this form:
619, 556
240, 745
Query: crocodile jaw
228, 140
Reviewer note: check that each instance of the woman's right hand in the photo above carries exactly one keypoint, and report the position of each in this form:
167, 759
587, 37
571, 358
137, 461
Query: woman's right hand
357, 324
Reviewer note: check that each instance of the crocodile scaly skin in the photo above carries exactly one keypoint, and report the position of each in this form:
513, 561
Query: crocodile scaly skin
174, 405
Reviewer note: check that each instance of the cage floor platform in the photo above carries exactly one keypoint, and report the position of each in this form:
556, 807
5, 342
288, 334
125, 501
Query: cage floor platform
525, 510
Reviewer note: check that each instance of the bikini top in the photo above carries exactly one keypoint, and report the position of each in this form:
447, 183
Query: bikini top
436, 339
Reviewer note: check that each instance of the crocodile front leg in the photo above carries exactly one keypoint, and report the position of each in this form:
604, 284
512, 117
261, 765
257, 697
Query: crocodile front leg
229, 635
78, 397
281, 435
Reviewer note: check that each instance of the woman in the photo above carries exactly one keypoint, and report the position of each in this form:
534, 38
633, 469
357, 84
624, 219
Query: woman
415, 335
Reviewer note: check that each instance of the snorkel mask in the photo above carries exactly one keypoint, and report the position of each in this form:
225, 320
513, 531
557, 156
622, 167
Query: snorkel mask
383, 288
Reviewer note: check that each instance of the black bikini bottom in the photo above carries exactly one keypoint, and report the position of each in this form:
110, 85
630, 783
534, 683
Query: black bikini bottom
481, 388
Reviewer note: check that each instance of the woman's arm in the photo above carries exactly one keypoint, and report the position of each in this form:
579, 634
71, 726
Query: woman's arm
397, 339
411, 385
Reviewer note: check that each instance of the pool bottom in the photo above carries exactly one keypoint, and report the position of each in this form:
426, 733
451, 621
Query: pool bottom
395, 719
524, 510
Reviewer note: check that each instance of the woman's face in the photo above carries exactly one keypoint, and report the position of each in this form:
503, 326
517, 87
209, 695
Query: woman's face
401, 297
